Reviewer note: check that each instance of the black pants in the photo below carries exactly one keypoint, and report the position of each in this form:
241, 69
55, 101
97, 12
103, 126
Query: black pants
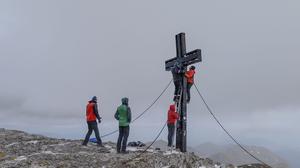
123, 136
189, 85
171, 131
177, 87
92, 125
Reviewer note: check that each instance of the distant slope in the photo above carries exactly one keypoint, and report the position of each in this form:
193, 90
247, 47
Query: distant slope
291, 155
233, 154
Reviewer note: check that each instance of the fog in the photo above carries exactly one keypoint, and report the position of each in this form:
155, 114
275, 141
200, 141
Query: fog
56, 55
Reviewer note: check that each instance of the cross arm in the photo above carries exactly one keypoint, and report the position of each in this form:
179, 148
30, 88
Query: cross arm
188, 59
192, 57
170, 63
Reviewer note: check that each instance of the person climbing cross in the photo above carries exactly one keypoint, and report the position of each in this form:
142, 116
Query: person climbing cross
177, 71
172, 118
190, 81
91, 116
123, 114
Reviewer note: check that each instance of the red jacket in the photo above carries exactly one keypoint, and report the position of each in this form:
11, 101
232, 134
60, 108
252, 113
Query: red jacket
90, 112
172, 115
190, 76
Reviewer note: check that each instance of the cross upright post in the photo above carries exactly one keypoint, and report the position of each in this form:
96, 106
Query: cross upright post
184, 59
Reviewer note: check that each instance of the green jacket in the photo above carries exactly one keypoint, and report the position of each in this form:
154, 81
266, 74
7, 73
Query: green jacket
123, 114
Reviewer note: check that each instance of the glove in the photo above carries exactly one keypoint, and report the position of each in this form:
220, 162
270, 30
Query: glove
99, 121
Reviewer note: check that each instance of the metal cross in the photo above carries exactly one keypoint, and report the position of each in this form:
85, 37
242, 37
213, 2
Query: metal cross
184, 59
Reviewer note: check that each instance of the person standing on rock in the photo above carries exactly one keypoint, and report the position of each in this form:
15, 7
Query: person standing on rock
123, 114
172, 118
91, 116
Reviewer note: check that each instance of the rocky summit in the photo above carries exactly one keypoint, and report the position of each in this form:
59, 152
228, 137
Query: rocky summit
20, 149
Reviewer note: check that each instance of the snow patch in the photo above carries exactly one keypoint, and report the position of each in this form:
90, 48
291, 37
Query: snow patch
20, 158
108, 147
132, 149
150, 150
83, 152
63, 144
12, 144
33, 154
60, 144
32, 142
171, 152
51, 153
112, 150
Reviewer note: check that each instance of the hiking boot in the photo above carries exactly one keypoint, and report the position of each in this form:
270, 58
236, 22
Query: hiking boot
175, 97
100, 145
124, 152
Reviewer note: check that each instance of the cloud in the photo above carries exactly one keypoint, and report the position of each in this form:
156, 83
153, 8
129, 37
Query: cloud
8, 102
54, 58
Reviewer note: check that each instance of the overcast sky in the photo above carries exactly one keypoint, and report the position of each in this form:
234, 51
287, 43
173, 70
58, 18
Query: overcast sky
55, 55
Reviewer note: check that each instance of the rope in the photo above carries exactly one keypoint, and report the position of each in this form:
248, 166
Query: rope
243, 148
153, 101
140, 115
142, 152
108, 134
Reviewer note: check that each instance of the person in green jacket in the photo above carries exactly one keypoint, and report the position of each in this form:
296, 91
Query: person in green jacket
123, 114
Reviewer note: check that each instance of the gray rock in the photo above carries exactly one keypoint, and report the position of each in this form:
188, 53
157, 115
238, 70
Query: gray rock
20, 149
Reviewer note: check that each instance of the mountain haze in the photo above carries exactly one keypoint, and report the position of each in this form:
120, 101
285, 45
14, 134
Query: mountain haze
233, 154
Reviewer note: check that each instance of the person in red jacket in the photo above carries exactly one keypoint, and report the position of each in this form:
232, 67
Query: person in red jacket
91, 116
190, 81
172, 118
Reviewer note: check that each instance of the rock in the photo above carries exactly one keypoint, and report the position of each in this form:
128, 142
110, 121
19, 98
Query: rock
2, 155
20, 149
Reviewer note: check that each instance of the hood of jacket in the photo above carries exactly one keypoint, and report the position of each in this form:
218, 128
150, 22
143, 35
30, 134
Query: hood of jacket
125, 101
172, 107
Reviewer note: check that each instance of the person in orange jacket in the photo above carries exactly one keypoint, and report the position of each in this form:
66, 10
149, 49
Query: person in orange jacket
91, 116
190, 81
172, 118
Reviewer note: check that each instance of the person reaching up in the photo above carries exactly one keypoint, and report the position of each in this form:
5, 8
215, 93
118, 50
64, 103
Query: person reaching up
190, 81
